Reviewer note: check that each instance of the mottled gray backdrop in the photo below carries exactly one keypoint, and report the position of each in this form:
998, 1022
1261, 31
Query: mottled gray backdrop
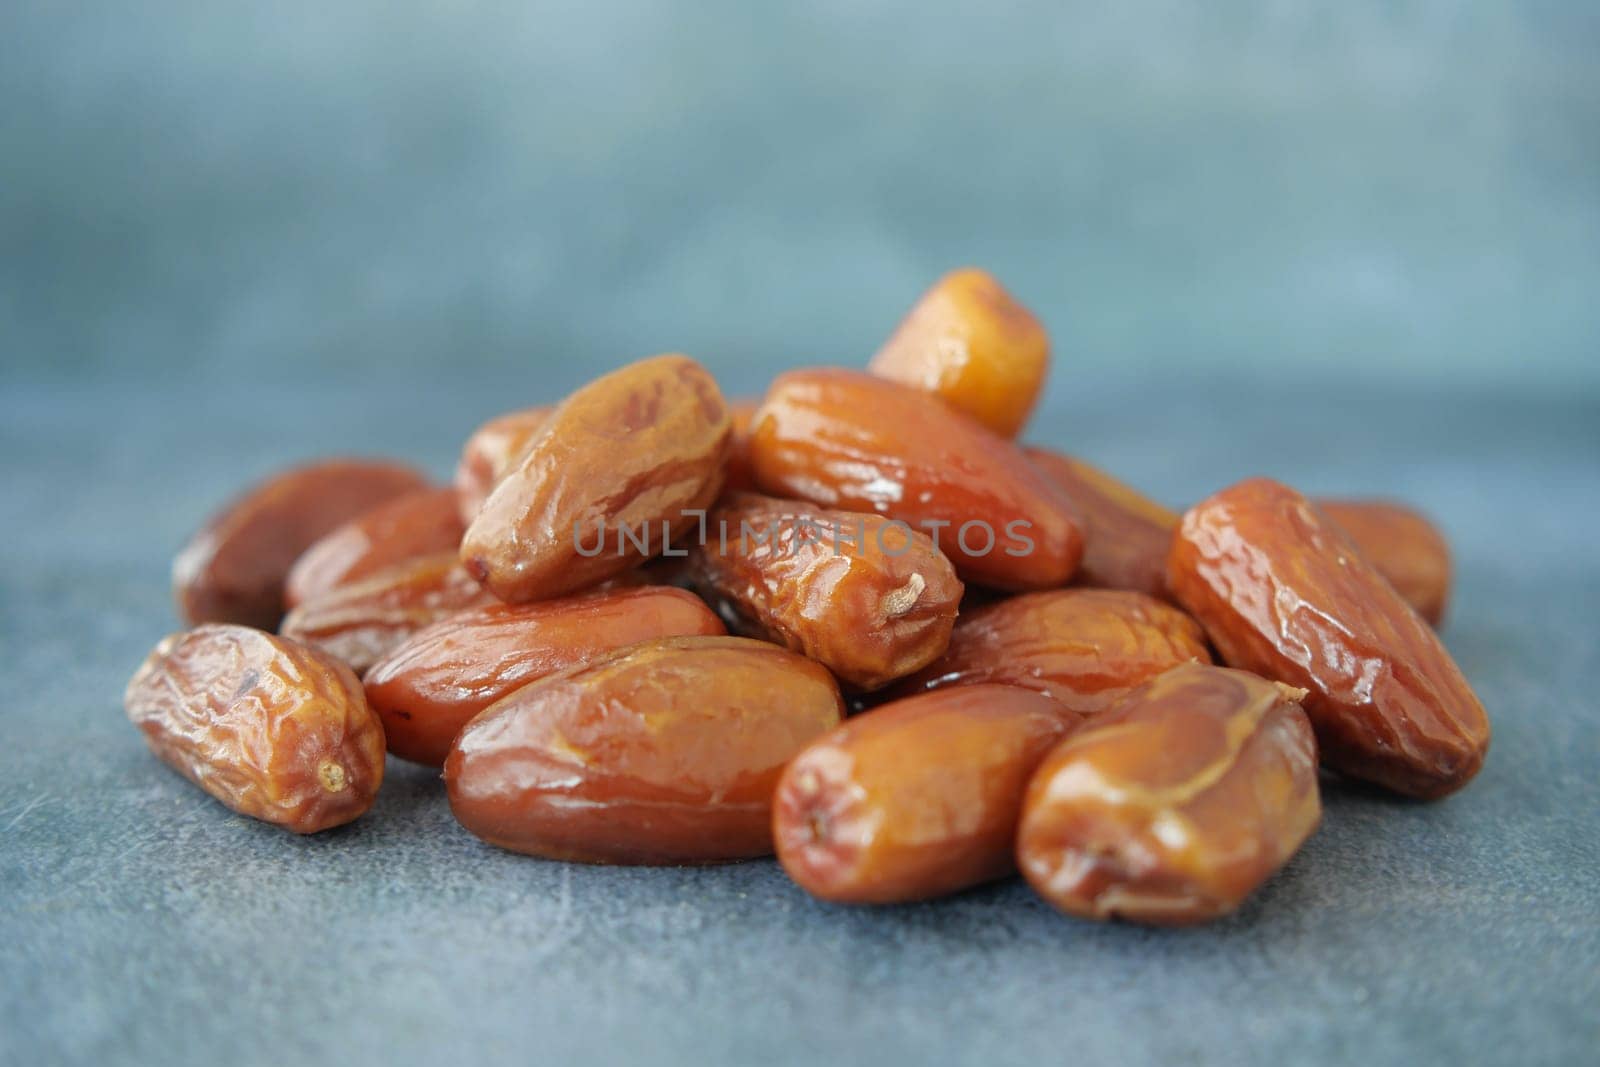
411, 187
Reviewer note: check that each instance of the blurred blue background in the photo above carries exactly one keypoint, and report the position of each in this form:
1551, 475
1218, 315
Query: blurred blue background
526, 193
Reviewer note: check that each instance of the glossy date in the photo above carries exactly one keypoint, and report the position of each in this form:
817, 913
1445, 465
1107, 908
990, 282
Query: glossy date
1174, 806
1282, 591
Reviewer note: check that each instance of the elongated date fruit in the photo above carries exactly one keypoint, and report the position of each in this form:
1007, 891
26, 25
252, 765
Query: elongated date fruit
1173, 807
1126, 534
614, 472
1086, 648
422, 523
1403, 546
843, 439
432, 685
663, 753
1282, 591
234, 569
870, 600
970, 343
915, 799
494, 450
272, 728
360, 623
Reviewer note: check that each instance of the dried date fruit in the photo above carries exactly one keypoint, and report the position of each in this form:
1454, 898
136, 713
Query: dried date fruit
609, 479
431, 686
417, 524
843, 439
1125, 534
360, 623
494, 450
663, 753
1086, 648
1403, 546
869, 600
970, 343
1282, 591
233, 570
915, 799
741, 412
1174, 806
272, 728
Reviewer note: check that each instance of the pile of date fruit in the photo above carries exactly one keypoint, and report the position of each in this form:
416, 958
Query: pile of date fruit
853, 623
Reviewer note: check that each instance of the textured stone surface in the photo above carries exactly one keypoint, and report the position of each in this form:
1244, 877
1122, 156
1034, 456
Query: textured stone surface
141, 922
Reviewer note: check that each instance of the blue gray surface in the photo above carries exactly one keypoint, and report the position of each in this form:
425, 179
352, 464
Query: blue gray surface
1395, 187
142, 923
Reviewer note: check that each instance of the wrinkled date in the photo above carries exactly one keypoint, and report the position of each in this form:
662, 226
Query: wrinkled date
493, 451
432, 685
1282, 591
1174, 806
970, 343
848, 440
870, 600
605, 482
417, 524
234, 569
665, 752
1126, 534
915, 799
271, 728
1403, 546
360, 623
1086, 648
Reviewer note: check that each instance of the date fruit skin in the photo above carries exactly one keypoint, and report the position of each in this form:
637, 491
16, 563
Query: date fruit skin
1282, 591
417, 524
741, 412
360, 623
272, 728
870, 601
432, 685
1173, 807
639, 448
494, 450
1126, 534
1086, 648
666, 752
915, 799
847, 440
970, 343
233, 569
1403, 546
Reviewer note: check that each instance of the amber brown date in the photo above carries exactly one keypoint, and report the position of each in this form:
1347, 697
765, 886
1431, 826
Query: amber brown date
432, 685
493, 451
637, 449
417, 524
360, 623
1126, 534
1282, 591
666, 752
233, 570
916, 799
843, 439
1174, 806
273, 729
1086, 648
970, 343
1403, 546
869, 600
741, 412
